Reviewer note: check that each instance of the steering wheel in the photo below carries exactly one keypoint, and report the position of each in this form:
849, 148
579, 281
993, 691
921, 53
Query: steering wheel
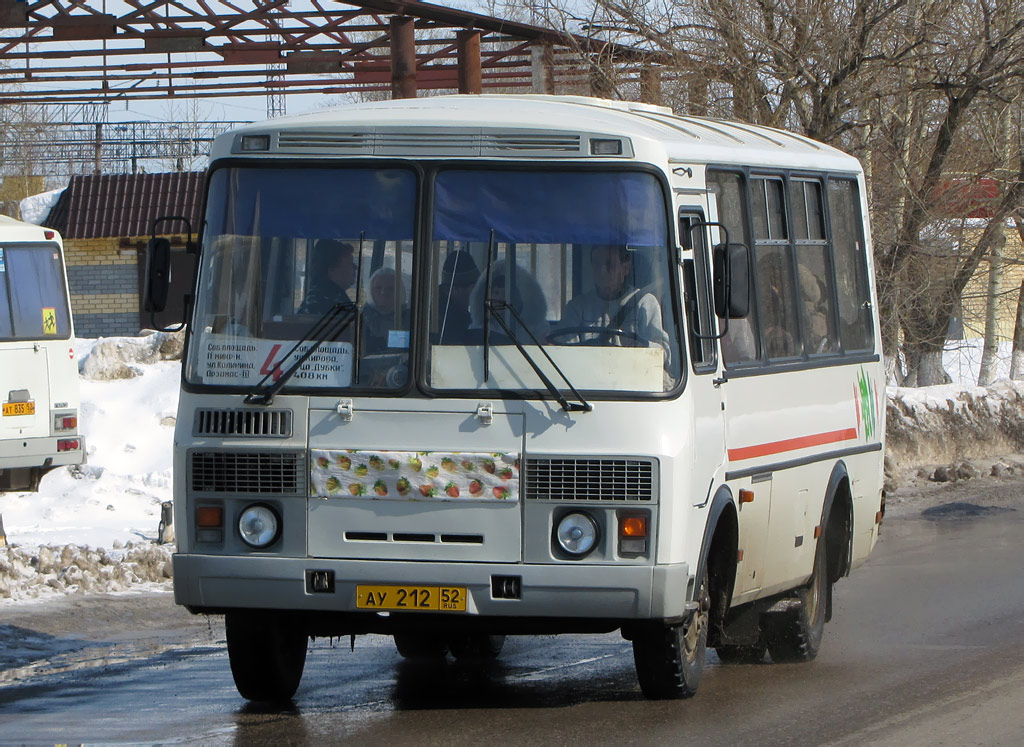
602, 332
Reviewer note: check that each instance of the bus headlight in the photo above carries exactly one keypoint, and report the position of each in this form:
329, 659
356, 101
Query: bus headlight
577, 534
259, 526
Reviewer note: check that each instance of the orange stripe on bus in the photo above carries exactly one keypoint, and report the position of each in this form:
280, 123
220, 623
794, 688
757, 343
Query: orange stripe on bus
792, 444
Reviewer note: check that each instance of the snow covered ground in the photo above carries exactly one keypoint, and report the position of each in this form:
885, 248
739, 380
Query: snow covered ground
94, 528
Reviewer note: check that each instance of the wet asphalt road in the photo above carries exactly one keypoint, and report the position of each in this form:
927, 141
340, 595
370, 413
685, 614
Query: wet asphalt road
926, 646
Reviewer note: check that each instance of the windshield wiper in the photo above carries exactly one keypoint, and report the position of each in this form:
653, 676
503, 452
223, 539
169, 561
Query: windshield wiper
493, 307
328, 327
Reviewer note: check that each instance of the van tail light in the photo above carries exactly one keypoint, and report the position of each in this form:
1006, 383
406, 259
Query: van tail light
65, 422
68, 444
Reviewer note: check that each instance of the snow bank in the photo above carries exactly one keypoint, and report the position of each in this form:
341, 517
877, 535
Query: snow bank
31, 573
930, 425
112, 501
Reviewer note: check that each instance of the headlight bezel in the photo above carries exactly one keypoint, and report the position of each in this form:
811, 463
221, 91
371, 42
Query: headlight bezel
275, 535
583, 521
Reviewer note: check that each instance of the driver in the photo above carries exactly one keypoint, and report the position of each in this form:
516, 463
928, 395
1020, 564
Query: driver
616, 305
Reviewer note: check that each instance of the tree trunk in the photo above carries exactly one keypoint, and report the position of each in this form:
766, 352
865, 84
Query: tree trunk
990, 351
930, 370
1017, 359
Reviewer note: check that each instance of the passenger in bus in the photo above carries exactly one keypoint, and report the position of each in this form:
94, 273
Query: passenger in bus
616, 304
379, 317
527, 299
331, 272
458, 275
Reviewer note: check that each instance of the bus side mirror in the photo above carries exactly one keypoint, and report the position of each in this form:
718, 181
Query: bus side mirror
158, 274
732, 280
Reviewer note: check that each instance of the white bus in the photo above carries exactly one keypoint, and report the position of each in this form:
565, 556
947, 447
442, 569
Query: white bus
466, 367
38, 370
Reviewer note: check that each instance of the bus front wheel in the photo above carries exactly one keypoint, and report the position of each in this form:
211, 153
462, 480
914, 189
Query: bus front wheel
795, 634
267, 655
669, 659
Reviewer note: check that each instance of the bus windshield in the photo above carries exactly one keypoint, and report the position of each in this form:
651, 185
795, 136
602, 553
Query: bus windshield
282, 248
33, 298
580, 266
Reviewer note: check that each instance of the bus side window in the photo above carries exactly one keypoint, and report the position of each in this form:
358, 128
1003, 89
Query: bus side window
776, 294
850, 265
739, 344
814, 272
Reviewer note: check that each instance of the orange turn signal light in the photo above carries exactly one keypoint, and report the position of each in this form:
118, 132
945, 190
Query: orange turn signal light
209, 516
746, 496
633, 526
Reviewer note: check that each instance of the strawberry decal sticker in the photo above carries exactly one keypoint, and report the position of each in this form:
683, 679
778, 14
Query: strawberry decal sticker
341, 474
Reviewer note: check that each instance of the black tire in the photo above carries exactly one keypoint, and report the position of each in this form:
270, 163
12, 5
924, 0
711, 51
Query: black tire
476, 646
420, 645
267, 655
794, 635
753, 654
669, 659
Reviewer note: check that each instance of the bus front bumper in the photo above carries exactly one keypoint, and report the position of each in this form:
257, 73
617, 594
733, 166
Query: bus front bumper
634, 592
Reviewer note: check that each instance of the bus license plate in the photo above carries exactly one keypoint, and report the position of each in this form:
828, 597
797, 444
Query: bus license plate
19, 408
412, 598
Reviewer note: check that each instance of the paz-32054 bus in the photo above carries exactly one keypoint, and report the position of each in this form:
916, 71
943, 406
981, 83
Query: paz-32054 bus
38, 371
474, 366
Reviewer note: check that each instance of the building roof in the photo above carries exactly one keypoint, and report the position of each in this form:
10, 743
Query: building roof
123, 205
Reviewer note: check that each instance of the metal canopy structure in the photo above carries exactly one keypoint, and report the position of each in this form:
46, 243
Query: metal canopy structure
105, 51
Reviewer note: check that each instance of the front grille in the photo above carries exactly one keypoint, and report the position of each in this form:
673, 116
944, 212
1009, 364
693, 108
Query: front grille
268, 423
259, 473
575, 479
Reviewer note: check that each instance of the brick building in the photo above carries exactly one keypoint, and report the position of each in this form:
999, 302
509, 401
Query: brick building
106, 221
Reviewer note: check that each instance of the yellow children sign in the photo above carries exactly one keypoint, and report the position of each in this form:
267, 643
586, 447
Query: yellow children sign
49, 320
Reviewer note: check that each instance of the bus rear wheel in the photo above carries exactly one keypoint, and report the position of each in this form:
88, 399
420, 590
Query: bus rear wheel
669, 659
267, 655
794, 635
